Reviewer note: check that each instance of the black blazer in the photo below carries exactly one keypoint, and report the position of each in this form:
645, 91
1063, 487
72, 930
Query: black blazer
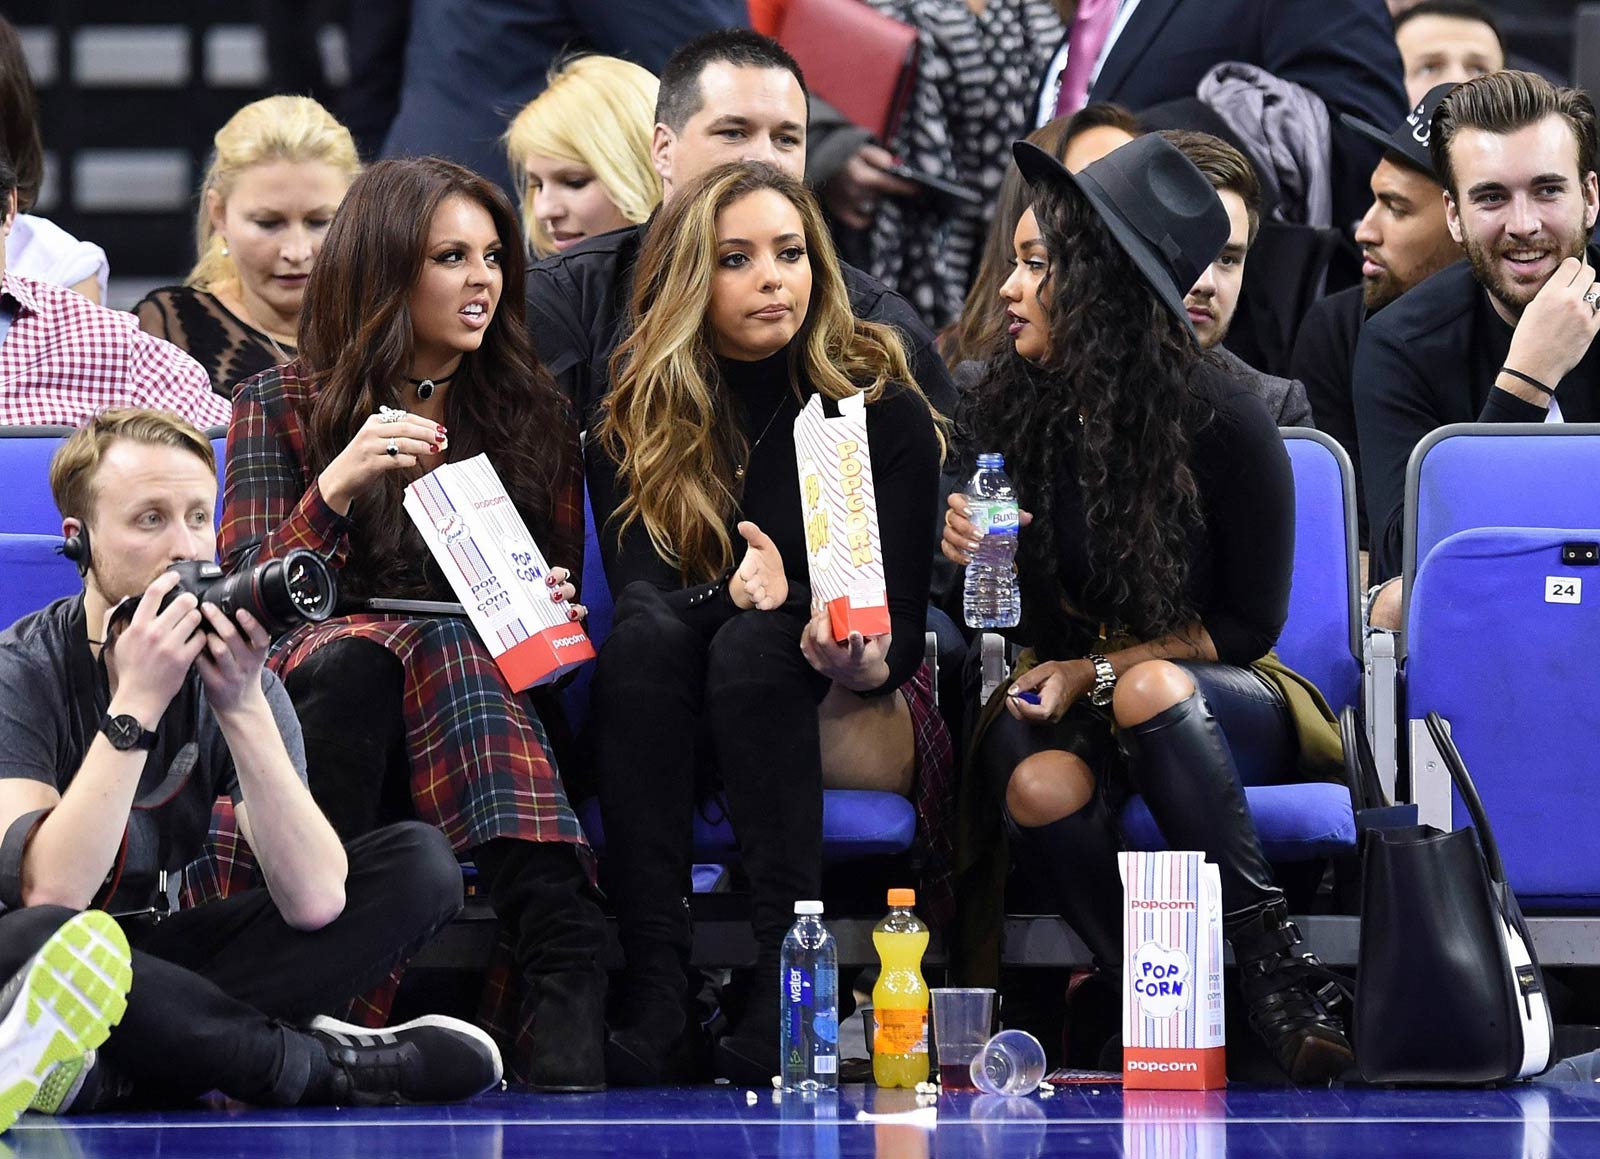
1342, 50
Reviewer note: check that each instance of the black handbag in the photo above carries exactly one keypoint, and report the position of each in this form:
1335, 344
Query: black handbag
1448, 989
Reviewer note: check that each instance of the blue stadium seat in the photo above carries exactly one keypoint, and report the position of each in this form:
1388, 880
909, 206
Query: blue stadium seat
854, 823
1321, 640
1514, 675
1497, 475
25, 479
32, 574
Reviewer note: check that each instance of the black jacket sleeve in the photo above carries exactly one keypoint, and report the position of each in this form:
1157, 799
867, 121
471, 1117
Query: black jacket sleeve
905, 478
1251, 503
560, 338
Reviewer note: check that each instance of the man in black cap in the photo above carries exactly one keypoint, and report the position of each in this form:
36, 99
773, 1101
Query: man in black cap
1403, 240
1510, 336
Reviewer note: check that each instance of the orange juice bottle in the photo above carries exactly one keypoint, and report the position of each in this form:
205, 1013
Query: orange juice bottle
900, 999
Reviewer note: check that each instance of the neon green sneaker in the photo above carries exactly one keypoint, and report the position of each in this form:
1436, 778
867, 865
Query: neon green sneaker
62, 1084
59, 1007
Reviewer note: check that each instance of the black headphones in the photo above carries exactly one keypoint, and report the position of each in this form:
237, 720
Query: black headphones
76, 548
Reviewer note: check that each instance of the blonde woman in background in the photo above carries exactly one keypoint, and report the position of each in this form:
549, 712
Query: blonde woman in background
278, 172
580, 153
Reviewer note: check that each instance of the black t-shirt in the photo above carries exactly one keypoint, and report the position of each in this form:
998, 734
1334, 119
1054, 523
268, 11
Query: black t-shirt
52, 693
578, 310
1324, 354
905, 473
1429, 359
1241, 559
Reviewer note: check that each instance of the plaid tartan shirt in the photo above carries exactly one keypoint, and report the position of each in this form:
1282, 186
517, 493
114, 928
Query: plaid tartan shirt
65, 359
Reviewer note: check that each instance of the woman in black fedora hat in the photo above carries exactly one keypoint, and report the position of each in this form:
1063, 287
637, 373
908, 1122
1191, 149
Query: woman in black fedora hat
1155, 579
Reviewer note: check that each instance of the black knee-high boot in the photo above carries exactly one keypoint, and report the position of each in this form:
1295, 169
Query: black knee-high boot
1182, 763
645, 706
761, 703
1076, 857
539, 890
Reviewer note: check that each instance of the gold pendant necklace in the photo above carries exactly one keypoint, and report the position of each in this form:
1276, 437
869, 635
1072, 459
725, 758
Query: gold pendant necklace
738, 468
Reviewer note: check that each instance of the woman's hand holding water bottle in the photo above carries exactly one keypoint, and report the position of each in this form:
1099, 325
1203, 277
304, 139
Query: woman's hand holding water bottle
960, 534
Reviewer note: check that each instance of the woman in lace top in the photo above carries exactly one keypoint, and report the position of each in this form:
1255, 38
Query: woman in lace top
280, 168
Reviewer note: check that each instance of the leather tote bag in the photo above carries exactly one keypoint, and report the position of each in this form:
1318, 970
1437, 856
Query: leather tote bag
1449, 990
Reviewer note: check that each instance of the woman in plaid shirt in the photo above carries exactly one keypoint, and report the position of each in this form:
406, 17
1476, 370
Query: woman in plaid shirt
415, 309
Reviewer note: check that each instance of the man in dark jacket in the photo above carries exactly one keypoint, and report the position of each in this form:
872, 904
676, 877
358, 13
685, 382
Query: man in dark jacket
1403, 240
727, 96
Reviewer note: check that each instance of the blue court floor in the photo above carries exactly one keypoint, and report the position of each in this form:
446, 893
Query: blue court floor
723, 1122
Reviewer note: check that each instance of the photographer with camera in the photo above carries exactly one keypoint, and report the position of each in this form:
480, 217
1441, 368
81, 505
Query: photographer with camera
118, 732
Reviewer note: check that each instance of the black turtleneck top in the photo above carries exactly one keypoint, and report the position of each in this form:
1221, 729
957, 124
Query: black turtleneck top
905, 466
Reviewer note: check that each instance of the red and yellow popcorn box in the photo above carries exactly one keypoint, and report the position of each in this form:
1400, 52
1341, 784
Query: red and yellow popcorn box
497, 572
840, 510
1172, 1012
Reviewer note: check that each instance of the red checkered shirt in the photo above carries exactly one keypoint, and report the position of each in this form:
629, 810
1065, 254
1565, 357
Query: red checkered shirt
65, 359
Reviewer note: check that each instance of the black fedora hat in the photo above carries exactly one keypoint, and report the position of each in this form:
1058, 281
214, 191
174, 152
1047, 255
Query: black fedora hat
1409, 141
1160, 209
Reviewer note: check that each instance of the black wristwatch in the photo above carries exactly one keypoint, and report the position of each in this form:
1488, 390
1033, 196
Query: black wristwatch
126, 733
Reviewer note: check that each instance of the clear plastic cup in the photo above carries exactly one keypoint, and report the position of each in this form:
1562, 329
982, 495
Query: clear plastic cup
1010, 1063
962, 1020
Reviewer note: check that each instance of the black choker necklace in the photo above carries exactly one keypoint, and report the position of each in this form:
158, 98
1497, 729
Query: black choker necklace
425, 386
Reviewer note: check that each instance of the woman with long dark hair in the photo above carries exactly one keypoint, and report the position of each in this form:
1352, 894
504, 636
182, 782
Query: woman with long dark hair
1154, 576
717, 658
412, 353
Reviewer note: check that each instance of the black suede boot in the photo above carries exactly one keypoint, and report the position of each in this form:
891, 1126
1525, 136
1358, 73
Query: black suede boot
539, 891
646, 702
1288, 996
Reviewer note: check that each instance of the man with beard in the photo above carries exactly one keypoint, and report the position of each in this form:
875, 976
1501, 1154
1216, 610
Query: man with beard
1508, 337
1403, 240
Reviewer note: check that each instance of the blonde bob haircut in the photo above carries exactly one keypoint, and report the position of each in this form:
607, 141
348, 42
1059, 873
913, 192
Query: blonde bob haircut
667, 420
597, 111
293, 129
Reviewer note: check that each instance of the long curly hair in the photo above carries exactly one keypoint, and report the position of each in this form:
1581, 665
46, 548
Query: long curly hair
355, 346
668, 419
1121, 362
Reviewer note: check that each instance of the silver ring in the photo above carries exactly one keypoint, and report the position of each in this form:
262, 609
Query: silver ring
390, 414
392, 449
1593, 298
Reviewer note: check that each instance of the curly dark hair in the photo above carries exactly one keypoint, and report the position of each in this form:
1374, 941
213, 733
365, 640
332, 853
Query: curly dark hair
1122, 361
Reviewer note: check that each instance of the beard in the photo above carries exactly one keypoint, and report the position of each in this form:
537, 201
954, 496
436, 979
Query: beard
1493, 276
1377, 292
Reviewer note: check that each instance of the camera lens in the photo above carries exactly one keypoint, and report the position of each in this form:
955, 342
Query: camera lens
280, 593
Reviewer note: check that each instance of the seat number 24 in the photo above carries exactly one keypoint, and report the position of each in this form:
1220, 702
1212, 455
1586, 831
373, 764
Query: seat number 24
1563, 589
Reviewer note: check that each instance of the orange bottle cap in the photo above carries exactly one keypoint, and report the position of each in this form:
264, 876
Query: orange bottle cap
902, 898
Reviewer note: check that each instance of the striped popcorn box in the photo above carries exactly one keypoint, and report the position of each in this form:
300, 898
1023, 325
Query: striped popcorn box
497, 571
840, 510
1172, 1034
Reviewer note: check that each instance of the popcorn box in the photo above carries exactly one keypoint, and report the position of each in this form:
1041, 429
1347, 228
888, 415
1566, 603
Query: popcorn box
840, 510
1172, 1032
497, 571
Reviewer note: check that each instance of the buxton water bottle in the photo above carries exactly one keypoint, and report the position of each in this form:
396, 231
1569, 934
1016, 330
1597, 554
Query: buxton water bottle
809, 978
991, 598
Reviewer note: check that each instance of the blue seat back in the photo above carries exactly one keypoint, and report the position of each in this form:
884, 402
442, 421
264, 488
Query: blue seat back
1515, 677
1498, 475
25, 480
595, 596
1322, 637
32, 574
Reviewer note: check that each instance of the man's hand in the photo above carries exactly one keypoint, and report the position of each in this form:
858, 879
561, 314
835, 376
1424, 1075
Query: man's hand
759, 581
853, 194
230, 665
149, 658
858, 664
961, 536
1043, 693
1554, 332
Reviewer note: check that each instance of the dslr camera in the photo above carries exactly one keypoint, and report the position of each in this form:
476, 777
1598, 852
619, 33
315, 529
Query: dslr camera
280, 593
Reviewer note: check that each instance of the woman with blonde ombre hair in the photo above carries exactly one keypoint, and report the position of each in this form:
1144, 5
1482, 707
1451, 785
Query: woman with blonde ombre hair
279, 169
716, 658
580, 152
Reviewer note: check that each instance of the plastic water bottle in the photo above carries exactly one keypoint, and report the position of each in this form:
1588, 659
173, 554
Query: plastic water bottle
991, 598
809, 1025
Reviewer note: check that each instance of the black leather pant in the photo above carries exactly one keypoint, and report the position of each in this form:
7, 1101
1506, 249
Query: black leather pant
1190, 762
